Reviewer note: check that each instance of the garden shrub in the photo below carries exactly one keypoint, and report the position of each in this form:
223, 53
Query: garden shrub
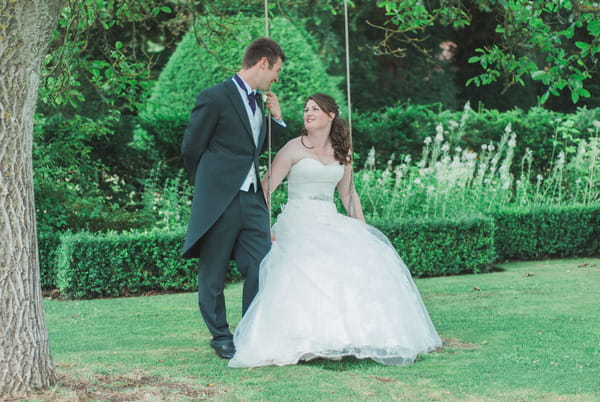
119, 264
544, 232
399, 129
438, 247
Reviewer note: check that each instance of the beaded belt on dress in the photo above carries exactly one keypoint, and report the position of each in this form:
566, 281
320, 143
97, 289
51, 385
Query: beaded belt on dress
315, 197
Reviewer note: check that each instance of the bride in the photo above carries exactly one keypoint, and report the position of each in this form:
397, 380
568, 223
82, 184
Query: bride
332, 285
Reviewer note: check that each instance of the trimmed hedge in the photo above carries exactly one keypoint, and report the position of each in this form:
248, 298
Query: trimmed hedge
48, 245
122, 264
547, 232
443, 247
92, 265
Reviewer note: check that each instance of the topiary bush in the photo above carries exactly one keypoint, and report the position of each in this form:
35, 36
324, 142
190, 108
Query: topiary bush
212, 53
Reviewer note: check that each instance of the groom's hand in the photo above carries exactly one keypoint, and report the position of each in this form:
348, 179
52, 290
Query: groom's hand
272, 103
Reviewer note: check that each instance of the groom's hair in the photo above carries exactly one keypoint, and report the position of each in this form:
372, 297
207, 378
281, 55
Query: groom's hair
262, 47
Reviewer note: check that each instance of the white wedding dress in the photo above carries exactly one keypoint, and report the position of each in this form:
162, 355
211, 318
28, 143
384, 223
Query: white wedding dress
331, 286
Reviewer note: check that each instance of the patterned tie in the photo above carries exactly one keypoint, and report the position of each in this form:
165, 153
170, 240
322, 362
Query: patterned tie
251, 95
252, 101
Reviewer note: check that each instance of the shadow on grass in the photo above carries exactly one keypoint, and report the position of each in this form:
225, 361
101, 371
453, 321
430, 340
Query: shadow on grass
345, 364
353, 363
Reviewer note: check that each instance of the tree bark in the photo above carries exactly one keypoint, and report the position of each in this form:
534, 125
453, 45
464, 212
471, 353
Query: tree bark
25, 30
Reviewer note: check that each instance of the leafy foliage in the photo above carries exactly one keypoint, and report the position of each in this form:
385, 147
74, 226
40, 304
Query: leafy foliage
536, 39
101, 51
401, 129
85, 174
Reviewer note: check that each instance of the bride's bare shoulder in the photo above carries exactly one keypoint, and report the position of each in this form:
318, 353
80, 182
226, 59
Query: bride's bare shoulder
293, 150
294, 142
292, 146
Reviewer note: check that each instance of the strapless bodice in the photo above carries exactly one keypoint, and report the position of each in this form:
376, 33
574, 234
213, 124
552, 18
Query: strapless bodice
310, 179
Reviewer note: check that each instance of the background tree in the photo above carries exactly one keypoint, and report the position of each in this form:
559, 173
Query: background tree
100, 65
554, 42
25, 32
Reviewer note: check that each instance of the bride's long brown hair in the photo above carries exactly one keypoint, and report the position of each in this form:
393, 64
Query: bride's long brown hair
340, 140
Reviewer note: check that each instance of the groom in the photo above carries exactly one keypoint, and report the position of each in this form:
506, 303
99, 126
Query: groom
229, 217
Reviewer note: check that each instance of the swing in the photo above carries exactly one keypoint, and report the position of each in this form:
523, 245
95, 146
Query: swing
347, 46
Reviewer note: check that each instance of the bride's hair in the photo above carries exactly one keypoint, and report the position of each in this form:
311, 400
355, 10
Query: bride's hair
340, 139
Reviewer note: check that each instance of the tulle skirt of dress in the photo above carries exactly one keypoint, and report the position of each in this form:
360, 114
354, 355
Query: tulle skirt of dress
332, 286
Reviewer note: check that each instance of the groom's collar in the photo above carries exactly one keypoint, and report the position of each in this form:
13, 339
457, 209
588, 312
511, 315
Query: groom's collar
243, 84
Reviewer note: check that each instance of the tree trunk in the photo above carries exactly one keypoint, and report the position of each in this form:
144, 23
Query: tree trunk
25, 31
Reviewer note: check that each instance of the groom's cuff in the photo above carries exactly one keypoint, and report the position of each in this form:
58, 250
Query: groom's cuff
280, 122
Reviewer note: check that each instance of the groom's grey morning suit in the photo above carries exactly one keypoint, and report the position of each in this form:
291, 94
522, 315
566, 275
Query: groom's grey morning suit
229, 217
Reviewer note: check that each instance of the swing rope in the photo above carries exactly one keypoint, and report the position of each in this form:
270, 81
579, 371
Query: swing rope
347, 40
270, 145
347, 44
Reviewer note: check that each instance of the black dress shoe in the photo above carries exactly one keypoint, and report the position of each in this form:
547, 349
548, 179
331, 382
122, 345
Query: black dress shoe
224, 350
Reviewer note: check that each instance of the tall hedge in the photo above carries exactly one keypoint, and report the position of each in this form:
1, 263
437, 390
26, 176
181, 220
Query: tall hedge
206, 57
402, 128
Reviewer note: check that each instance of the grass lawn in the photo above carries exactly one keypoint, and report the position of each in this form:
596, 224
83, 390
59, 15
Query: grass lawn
530, 331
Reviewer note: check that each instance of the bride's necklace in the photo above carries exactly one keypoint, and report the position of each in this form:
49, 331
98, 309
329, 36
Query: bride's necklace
305, 146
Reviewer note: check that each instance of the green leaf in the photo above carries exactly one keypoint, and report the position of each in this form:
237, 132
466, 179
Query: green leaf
574, 96
474, 59
474, 80
594, 28
539, 75
584, 92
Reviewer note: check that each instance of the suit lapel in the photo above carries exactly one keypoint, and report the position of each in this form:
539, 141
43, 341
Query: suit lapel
263, 127
239, 107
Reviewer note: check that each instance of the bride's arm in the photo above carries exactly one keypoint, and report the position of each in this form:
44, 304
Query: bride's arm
349, 196
282, 163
